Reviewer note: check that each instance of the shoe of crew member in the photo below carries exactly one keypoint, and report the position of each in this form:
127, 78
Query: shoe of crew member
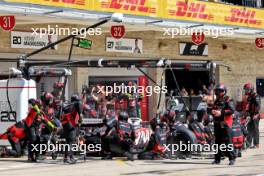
216, 162
107, 157
129, 156
232, 162
70, 160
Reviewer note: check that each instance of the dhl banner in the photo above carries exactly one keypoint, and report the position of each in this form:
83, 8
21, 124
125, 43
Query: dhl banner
193, 10
77, 4
150, 8
213, 13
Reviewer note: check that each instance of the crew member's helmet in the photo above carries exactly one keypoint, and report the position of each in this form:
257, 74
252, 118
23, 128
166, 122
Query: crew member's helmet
220, 90
47, 98
34, 102
75, 97
130, 83
58, 85
123, 115
248, 89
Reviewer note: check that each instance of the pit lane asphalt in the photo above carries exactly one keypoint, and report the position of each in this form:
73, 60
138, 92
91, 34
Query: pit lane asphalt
252, 163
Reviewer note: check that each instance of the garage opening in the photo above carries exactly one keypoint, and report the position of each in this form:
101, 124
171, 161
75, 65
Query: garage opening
119, 76
194, 79
190, 75
190, 80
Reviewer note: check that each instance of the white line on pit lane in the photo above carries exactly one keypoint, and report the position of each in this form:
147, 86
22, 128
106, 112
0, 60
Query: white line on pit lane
17, 166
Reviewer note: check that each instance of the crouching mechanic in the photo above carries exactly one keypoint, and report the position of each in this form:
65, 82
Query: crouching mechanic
32, 128
71, 120
119, 140
17, 138
222, 112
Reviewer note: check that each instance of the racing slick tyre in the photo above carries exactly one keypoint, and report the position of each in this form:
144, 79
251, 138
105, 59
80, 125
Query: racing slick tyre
54, 155
180, 138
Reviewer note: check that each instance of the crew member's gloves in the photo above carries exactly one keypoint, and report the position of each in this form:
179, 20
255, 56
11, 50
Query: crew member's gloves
255, 117
129, 141
216, 113
79, 123
55, 130
80, 120
128, 95
248, 118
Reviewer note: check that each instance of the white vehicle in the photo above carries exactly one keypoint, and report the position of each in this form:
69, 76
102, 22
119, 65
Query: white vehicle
14, 93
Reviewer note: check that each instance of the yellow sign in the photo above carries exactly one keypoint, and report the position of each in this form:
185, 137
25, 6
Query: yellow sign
213, 13
198, 11
134, 7
77, 4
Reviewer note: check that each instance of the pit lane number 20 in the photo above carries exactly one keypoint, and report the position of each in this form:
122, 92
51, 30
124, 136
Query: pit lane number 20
8, 116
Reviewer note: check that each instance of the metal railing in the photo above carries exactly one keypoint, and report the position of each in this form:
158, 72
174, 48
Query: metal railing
248, 3
252, 3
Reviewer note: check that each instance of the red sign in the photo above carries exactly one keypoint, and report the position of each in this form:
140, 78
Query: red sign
198, 38
118, 31
7, 22
143, 81
259, 42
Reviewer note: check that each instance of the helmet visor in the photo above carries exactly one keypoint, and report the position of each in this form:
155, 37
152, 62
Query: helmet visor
247, 91
219, 92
